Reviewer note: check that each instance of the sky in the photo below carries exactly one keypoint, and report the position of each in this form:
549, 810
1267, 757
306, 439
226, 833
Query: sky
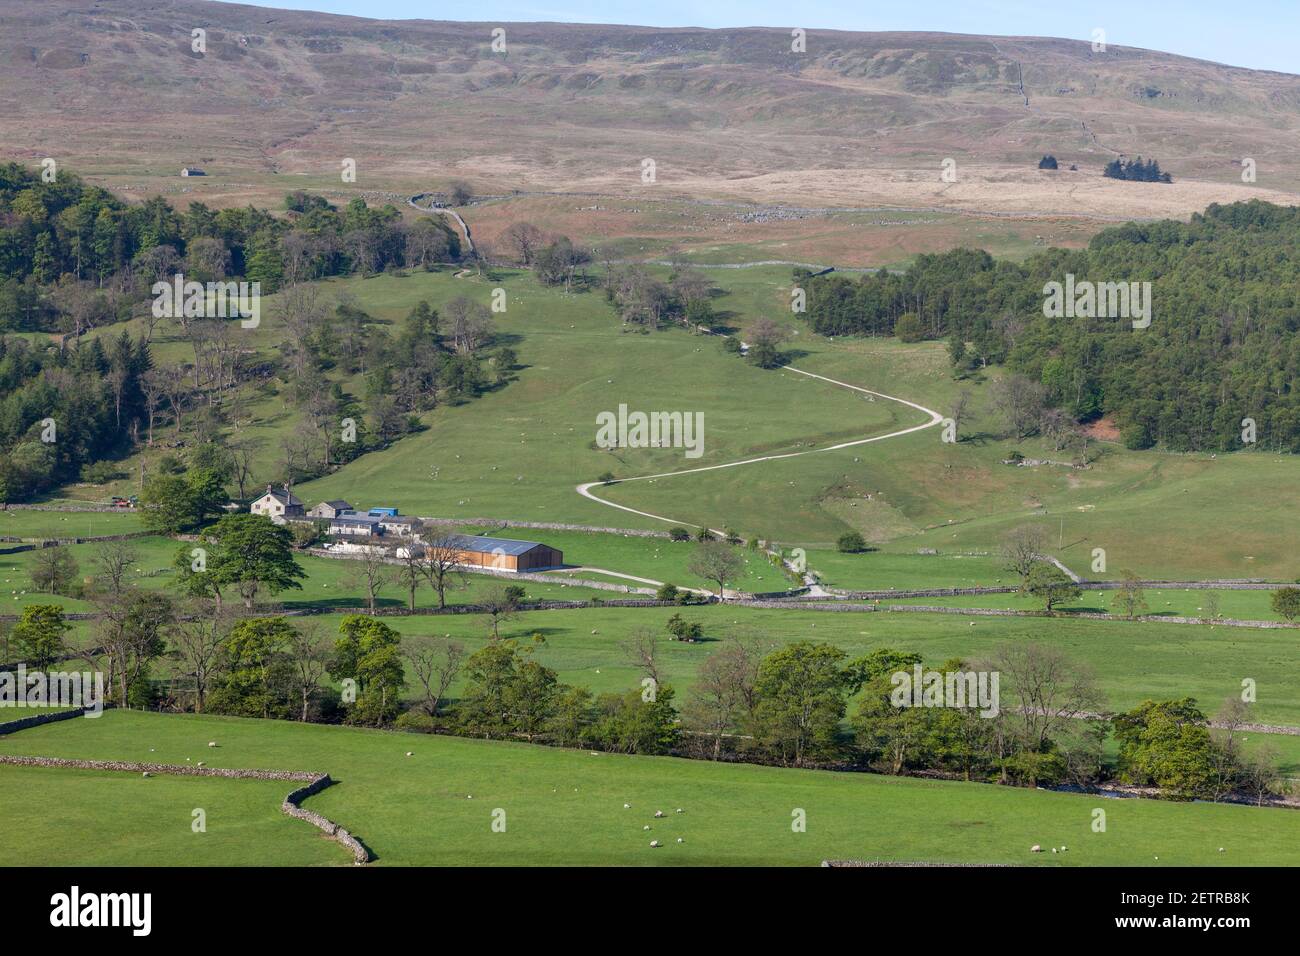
1260, 34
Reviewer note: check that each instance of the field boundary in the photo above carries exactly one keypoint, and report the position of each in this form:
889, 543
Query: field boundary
290, 806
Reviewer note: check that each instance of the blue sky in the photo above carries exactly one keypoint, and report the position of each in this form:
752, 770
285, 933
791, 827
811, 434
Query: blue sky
1261, 34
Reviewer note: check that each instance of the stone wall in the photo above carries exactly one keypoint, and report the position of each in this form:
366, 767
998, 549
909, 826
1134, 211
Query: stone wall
315, 782
22, 723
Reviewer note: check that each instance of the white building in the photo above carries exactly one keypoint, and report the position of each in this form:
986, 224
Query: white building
277, 504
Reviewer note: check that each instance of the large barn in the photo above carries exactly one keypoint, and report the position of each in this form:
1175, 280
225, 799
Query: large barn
505, 554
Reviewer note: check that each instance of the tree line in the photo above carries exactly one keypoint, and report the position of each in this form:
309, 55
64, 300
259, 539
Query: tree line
1221, 347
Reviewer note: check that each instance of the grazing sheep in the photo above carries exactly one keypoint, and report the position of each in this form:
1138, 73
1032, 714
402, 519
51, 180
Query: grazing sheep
680, 810
627, 806
680, 840
212, 743
1035, 849
146, 774
410, 753
646, 827
654, 843
659, 813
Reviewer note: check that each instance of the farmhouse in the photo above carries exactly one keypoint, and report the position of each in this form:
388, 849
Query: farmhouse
277, 504
330, 509
355, 524
505, 554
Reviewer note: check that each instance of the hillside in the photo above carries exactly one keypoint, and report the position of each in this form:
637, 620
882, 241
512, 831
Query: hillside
860, 119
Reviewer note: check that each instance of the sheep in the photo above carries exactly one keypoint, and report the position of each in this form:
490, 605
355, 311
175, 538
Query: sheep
659, 813
212, 743
1035, 849
410, 753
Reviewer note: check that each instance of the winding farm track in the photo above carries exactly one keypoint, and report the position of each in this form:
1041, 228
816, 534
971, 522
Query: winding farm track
935, 419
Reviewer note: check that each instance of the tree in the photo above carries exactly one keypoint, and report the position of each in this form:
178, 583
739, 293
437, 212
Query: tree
801, 692
526, 239
1049, 691
54, 570
1260, 776
442, 563
113, 561
256, 673
132, 628
369, 653
908, 328
38, 635
370, 570
765, 338
851, 542
1286, 603
507, 692
1130, 597
500, 603
1022, 548
253, 553
724, 692
632, 723
684, 630
460, 192
1020, 401
410, 571
172, 504
197, 636
639, 649
307, 651
716, 561
1051, 585
436, 662
1166, 743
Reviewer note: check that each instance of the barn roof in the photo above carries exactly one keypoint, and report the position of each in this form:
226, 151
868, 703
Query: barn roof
474, 542
368, 520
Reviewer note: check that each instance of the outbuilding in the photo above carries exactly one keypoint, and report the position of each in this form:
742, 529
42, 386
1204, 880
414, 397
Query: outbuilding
354, 524
506, 554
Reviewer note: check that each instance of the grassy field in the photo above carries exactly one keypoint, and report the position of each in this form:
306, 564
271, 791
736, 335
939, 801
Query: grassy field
329, 581
61, 524
518, 452
1182, 602
122, 819
567, 807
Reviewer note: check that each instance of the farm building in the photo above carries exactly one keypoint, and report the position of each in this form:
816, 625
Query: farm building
330, 509
505, 554
354, 524
400, 525
192, 171
277, 504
